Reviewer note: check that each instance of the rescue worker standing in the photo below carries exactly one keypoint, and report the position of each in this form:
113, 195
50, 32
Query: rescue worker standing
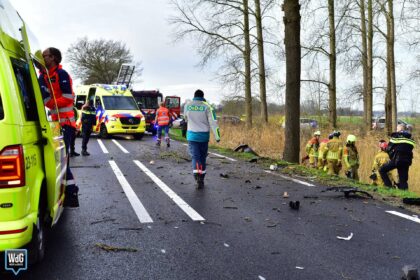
321, 161
162, 120
333, 154
73, 152
57, 92
381, 158
312, 149
400, 151
351, 158
88, 120
200, 119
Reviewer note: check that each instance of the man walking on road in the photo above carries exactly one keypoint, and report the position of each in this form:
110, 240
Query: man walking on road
200, 118
162, 120
88, 120
57, 92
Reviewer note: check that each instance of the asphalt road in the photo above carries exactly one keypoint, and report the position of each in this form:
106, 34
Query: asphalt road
141, 200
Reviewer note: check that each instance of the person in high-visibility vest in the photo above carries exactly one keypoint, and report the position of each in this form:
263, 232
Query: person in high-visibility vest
312, 149
162, 120
351, 158
381, 158
333, 153
88, 121
58, 95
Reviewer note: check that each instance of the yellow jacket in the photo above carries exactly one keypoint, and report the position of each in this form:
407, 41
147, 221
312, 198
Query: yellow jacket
333, 149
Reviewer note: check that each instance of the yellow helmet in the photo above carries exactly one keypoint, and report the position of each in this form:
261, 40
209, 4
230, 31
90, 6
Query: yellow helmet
351, 138
317, 133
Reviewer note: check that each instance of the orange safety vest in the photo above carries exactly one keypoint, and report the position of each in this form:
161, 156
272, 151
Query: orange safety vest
64, 110
162, 116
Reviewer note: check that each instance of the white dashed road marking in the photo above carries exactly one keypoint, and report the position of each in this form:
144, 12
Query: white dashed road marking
408, 217
291, 179
121, 147
135, 202
103, 148
172, 195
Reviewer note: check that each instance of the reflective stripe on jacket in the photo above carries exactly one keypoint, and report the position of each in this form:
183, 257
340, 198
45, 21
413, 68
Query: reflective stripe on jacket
351, 156
334, 149
162, 116
312, 147
60, 84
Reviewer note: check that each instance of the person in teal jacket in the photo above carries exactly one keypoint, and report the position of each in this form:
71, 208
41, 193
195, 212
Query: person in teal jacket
200, 119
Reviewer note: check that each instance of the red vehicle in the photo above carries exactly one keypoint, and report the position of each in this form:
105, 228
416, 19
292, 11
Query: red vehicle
148, 102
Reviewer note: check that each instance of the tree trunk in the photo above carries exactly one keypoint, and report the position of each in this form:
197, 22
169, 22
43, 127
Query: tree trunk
247, 59
333, 62
391, 43
369, 86
293, 68
261, 63
364, 63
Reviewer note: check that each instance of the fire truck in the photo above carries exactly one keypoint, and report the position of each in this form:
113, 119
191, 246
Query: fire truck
148, 102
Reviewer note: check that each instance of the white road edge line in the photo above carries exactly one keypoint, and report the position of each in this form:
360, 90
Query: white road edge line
103, 148
121, 147
172, 195
291, 179
135, 202
408, 217
220, 156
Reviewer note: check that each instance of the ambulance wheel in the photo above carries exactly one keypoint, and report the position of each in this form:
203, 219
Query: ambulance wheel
36, 248
103, 133
138, 136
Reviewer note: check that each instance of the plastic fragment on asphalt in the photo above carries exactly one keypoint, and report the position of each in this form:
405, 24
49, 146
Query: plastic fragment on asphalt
300, 267
346, 238
163, 251
285, 195
152, 162
260, 277
202, 223
274, 167
226, 245
224, 175
410, 273
149, 227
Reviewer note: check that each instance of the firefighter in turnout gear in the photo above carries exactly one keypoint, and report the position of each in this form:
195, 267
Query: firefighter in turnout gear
351, 158
312, 149
333, 154
162, 120
381, 158
322, 163
57, 85
88, 121
400, 151
200, 119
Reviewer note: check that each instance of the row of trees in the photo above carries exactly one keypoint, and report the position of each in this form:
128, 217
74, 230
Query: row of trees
353, 38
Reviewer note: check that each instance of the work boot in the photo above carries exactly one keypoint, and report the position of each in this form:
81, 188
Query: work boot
168, 144
158, 143
71, 199
74, 154
200, 181
85, 153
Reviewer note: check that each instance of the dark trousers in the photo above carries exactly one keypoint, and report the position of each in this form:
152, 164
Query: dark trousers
198, 151
402, 174
69, 133
86, 132
162, 128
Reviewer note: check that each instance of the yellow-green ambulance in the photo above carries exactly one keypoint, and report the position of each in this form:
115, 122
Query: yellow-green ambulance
116, 110
32, 152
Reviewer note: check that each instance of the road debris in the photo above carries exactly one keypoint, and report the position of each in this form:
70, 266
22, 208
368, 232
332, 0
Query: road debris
260, 277
224, 175
138, 228
294, 204
300, 267
257, 187
285, 195
244, 148
346, 238
152, 162
109, 248
163, 251
411, 201
254, 159
348, 190
410, 273
248, 219
230, 207
226, 245
274, 167
247, 181
102, 221
311, 197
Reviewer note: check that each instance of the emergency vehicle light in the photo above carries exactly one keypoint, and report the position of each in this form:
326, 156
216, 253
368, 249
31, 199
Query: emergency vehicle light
12, 172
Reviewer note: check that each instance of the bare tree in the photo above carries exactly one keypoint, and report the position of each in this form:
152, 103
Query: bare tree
291, 21
99, 61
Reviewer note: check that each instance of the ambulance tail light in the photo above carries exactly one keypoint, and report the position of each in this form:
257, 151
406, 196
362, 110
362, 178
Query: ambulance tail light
12, 170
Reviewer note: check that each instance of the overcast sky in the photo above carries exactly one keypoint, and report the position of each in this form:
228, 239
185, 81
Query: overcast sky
141, 24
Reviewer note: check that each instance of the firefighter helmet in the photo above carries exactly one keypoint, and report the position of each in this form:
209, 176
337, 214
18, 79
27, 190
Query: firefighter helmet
351, 138
317, 133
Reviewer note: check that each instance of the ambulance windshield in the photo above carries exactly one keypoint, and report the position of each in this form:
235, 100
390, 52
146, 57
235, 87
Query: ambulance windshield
119, 103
